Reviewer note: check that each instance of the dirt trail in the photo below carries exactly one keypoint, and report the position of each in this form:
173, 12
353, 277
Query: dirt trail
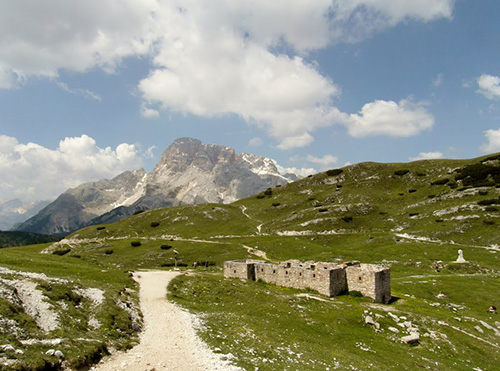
168, 341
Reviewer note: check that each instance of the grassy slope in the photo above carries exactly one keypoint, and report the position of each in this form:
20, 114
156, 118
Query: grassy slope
357, 214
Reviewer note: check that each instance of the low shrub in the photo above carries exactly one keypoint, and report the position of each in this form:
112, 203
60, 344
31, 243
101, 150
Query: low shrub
347, 219
483, 193
488, 222
401, 172
334, 172
413, 190
275, 204
268, 192
419, 173
165, 247
100, 228
414, 214
61, 252
491, 201
154, 224
108, 252
491, 208
440, 181
260, 196
323, 210
138, 212
439, 220
135, 243
355, 294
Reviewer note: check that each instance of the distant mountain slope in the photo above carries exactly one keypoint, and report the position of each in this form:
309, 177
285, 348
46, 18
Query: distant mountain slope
76, 207
457, 201
15, 211
13, 238
189, 172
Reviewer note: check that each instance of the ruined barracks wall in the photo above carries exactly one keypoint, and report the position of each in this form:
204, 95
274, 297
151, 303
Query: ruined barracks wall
243, 268
328, 279
371, 280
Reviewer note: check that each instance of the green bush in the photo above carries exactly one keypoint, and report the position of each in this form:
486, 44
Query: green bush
347, 219
268, 192
61, 252
334, 172
165, 247
323, 210
100, 228
260, 196
275, 204
108, 252
135, 243
491, 208
441, 181
401, 172
488, 222
492, 201
355, 294
154, 224
413, 190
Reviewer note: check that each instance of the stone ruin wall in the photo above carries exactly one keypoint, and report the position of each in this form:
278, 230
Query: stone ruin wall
328, 279
370, 280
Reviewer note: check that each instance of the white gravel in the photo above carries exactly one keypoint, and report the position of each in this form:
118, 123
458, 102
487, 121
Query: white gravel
169, 340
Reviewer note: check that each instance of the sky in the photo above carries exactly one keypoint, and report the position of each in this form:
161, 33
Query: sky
89, 89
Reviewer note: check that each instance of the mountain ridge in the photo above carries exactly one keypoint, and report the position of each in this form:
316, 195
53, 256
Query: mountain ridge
189, 172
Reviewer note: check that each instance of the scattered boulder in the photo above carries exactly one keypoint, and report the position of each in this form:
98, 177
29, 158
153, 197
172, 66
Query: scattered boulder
59, 354
413, 338
369, 320
393, 329
50, 352
8, 348
479, 329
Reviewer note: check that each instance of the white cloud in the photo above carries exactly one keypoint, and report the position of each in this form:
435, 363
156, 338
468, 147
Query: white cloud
427, 156
31, 171
83, 92
209, 58
402, 119
301, 172
255, 142
148, 112
489, 86
493, 145
438, 80
325, 161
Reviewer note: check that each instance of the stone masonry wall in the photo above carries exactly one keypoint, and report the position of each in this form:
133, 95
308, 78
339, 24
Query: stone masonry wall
329, 279
370, 280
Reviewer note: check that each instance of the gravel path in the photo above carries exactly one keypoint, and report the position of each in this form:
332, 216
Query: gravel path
168, 341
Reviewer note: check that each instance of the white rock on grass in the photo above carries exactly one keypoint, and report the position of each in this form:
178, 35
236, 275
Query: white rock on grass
393, 329
369, 320
413, 338
479, 329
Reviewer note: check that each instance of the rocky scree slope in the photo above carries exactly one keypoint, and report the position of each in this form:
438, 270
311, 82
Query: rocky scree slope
189, 172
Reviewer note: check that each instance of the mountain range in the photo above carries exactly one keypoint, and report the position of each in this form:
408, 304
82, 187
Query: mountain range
189, 172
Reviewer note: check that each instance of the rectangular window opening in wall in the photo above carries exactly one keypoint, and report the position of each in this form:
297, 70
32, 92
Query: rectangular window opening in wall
313, 267
274, 270
360, 278
300, 273
288, 265
314, 275
286, 272
234, 271
262, 269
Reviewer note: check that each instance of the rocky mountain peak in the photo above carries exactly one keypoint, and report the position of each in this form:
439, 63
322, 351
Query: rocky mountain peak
189, 172
186, 152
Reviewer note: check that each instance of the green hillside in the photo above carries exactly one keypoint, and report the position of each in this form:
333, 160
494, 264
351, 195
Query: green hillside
406, 216
15, 238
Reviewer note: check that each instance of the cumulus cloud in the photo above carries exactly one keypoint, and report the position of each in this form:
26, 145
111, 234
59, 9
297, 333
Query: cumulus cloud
427, 156
489, 86
493, 138
301, 172
255, 142
325, 162
401, 119
32, 171
208, 58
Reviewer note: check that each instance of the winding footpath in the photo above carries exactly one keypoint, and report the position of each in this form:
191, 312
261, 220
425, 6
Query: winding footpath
169, 340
